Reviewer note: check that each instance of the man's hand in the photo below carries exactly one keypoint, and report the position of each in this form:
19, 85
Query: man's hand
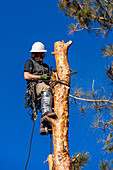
43, 77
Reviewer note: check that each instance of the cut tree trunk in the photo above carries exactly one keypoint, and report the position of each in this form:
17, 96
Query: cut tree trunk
61, 159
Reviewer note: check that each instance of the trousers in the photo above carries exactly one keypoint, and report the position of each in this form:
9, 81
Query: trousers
41, 87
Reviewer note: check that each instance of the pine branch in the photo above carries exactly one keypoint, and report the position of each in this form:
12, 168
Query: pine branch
91, 100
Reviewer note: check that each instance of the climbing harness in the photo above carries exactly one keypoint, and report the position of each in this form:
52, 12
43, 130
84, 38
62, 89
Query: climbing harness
31, 100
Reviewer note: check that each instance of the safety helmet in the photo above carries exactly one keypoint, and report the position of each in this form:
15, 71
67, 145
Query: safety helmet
38, 47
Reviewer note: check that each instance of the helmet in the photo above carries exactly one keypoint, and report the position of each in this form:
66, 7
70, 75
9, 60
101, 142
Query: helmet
38, 47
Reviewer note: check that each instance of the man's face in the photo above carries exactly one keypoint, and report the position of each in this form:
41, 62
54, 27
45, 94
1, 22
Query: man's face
39, 56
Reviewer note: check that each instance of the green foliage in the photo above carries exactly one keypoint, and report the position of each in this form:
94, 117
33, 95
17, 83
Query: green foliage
94, 15
104, 165
109, 142
103, 109
108, 51
78, 92
109, 72
79, 160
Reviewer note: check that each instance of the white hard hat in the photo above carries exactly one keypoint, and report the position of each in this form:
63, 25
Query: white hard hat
38, 47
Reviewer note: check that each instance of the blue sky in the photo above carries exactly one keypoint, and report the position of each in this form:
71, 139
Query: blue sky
22, 24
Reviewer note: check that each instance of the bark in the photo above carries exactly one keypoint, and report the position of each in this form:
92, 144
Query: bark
62, 160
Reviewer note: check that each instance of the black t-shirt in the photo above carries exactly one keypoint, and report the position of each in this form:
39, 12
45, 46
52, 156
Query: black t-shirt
36, 67
28, 66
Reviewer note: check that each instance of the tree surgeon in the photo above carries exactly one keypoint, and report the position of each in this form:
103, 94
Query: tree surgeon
36, 74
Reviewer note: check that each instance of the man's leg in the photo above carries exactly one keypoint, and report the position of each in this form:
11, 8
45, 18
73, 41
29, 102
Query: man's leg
45, 126
41, 87
46, 107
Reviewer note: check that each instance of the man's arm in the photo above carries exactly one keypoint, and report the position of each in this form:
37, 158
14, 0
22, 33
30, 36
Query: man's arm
28, 71
29, 76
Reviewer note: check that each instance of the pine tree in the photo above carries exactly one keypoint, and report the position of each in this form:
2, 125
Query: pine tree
94, 16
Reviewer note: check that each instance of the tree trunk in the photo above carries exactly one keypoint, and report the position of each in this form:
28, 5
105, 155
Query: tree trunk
62, 160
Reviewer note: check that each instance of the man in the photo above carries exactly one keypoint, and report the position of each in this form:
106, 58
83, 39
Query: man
36, 74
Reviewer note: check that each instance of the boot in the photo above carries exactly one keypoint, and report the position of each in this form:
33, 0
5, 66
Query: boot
45, 127
44, 130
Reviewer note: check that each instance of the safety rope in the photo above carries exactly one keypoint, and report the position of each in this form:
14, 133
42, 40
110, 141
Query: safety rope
30, 145
64, 82
50, 143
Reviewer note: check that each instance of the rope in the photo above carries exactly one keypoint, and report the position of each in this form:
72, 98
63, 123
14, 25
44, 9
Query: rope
64, 82
30, 146
50, 144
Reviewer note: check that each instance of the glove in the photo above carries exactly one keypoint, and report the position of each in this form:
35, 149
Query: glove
43, 77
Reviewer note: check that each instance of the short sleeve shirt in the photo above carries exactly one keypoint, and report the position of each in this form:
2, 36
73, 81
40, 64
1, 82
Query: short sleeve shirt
36, 67
28, 66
